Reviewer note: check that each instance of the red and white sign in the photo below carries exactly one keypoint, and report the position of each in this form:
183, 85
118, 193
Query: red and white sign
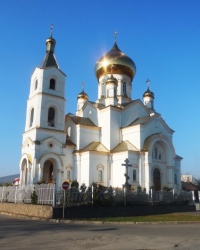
65, 185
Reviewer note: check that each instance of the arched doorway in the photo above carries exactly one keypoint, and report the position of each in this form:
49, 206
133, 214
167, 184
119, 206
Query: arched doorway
48, 172
156, 179
24, 177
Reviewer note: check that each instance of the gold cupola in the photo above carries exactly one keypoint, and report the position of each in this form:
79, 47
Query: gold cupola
148, 93
115, 62
82, 95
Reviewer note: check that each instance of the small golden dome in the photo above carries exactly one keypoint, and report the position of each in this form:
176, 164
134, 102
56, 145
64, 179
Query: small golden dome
116, 62
82, 95
148, 93
50, 44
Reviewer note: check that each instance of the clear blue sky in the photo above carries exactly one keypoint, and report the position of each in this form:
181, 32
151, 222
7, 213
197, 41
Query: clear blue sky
161, 36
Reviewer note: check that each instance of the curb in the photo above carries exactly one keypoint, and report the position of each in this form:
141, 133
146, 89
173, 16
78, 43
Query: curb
87, 222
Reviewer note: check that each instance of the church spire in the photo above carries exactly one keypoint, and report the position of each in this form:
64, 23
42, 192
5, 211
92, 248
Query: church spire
148, 97
49, 59
50, 42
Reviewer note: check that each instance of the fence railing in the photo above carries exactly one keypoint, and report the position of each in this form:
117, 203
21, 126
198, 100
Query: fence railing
46, 194
22, 194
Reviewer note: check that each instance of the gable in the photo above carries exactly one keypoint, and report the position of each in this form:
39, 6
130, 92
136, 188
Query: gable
95, 146
27, 142
133, 111
124, 146
158, 124
51, 140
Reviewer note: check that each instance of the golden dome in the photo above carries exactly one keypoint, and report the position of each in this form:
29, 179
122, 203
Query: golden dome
115, 62
149, 93
50, 44
82, 95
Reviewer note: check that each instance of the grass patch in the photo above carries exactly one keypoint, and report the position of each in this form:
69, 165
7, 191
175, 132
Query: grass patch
152, 218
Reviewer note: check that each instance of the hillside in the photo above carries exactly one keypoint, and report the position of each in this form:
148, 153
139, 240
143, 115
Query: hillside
8, 179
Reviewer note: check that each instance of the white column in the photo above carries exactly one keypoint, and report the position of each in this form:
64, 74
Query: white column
58, 178
39, 172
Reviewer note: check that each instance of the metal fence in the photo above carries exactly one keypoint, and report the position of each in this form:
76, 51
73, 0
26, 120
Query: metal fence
22, 194
46, 194
115, 197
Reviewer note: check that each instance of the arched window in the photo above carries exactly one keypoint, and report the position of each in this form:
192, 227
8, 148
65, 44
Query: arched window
52, 84
100, 176
156, 153
175, 179
68, 174
31, 117
134, 175
36, 84
124, 88
160, 156
51, 117
115, 92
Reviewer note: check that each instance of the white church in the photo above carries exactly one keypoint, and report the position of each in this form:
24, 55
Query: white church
91, 145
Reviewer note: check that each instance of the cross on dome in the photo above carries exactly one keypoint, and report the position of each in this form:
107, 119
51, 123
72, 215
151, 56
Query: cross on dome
83, 86
148, 82
115, 36
51, 30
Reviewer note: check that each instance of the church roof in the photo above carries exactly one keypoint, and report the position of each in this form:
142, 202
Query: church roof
69, 142
95, 146
98, 105
124, 146
141, 121
82, 121
49, 61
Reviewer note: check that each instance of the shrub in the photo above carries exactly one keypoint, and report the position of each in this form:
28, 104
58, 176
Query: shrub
75, 184
34, 197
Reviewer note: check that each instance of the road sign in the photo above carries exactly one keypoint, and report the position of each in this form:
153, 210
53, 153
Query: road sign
65, 185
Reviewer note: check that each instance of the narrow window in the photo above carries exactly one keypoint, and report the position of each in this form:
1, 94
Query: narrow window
68, 174
160, 156
124, 88
115, 93
175, 179
36, 84
31, 117
52, 84
51, 117
100, 176
134, 175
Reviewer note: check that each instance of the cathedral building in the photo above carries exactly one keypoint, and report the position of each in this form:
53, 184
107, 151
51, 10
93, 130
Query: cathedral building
92, 145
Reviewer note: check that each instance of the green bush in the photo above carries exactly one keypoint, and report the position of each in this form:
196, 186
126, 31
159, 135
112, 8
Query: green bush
34, 198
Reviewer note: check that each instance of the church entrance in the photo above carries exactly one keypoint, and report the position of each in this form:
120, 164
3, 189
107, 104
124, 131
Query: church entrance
48, 175
156, 179
24, 175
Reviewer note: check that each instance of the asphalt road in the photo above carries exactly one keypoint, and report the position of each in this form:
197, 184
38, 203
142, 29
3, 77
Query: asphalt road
18, 233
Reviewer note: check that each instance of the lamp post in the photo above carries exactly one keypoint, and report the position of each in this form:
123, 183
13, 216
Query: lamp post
126, 185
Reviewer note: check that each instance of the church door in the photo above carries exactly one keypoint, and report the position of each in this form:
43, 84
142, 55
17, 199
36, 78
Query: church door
156, 179
48, 172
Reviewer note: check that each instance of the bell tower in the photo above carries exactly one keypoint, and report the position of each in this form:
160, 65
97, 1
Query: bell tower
45, 113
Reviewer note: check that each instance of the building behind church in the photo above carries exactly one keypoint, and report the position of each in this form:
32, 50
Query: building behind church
91, 145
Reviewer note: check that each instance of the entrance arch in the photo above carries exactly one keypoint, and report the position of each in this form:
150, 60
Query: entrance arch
51, 165
156, 179
24, 174
48, 172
